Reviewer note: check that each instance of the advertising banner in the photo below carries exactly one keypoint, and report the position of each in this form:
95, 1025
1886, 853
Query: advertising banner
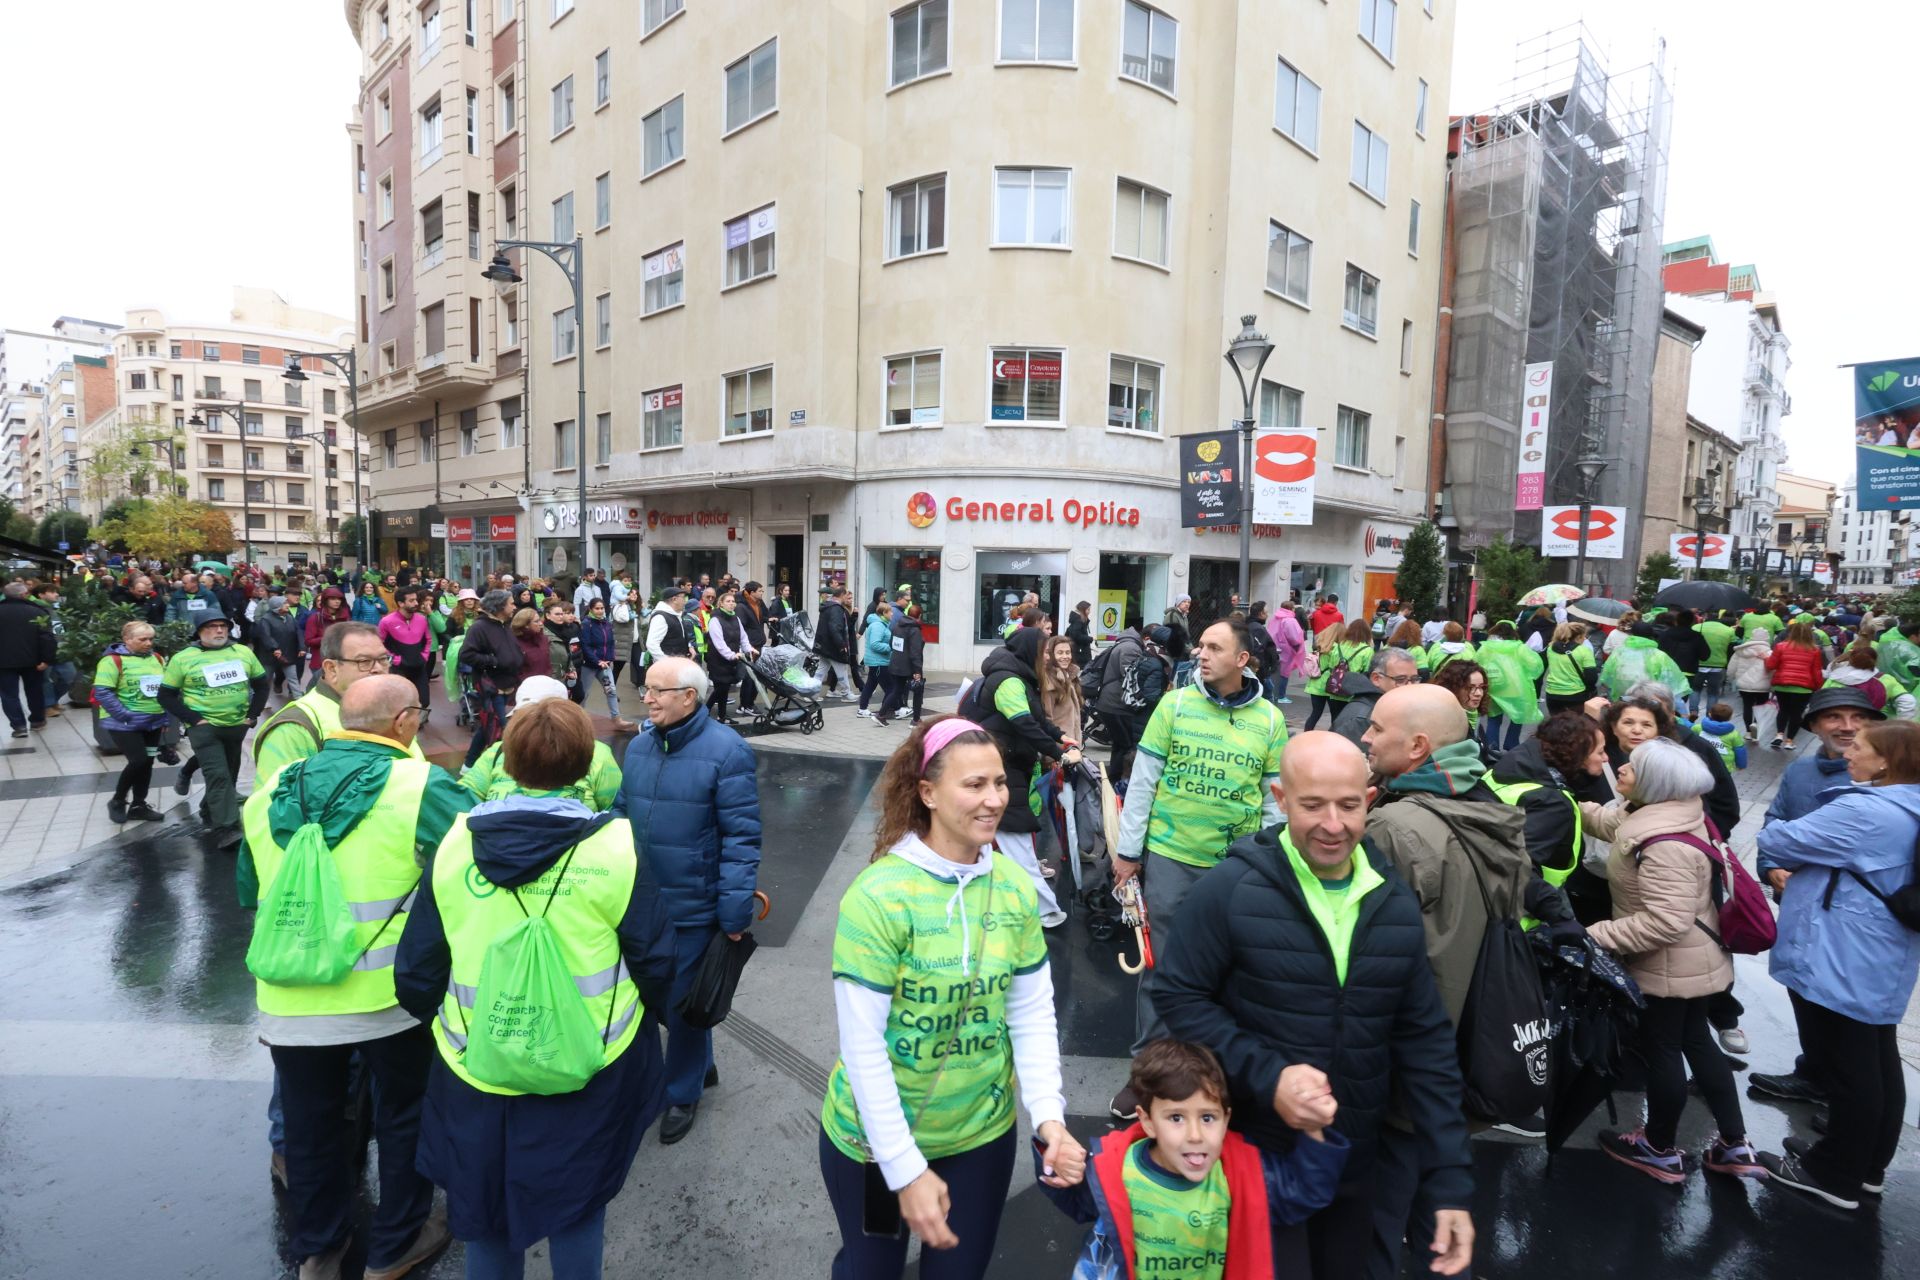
1886, 433
1536, 409
1283, 467
1714, 549
1112, 616
1606, 532
1209, 479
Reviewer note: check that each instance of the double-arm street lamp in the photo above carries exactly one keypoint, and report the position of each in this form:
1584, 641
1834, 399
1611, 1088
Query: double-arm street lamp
348, 363
133, 443
566, 255
1246, 356
238, 412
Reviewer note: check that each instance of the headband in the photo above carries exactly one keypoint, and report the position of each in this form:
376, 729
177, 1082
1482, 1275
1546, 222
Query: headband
940, 735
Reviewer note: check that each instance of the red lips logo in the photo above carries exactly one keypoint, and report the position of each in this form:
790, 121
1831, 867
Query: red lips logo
1268, 451
1707, 548
1600, 524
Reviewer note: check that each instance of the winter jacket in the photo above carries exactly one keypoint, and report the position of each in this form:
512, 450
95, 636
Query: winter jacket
150, 608
369, 609
1290, 644
1728, 739
1080, 632
909, 643
1549, 810
692, 796
1252, 977
190, 606
1640, 658
1813, 779
26, 634
275, 631
1662, 893
1723, 802
1839, 945
834, 638
753, 620
1126, 650
876, 642
1747, 667
1266, 654
596, 640
1687, 647
1795, 666
1327, 615
1005, 701
536, 655
1356, 717
493, 655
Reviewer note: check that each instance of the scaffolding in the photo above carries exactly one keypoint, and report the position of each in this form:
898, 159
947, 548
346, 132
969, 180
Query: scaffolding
1559, 193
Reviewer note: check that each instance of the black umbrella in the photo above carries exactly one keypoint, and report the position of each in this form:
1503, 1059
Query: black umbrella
710, 996
1592, 1008
1705, 597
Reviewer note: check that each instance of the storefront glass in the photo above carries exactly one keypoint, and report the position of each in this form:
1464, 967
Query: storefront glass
616, 554
1004, 577
917, 567
556, 557
1133, 589
480, 545
689, 562
1310, 580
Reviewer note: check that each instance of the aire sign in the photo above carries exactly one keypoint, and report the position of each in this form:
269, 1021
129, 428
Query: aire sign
1536, 409
1606, 532
1714, 549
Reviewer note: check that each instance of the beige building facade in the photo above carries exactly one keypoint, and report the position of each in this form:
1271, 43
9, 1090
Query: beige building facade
1708, 459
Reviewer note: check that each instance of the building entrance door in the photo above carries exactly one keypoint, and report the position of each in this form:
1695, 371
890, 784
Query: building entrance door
789, 565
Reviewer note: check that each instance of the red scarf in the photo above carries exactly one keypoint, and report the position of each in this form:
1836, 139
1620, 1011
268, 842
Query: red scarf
1249, 1238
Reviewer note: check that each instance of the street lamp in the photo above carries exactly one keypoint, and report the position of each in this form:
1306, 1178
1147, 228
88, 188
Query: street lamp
1246, 356
1589, 465
173, 457
567, 256
1703, 505
238, 412
348, 362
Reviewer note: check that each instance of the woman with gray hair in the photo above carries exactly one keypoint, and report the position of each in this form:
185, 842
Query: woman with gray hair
1666, 929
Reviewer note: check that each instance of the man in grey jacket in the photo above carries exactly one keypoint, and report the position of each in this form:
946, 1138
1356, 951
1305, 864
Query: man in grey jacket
1392, 669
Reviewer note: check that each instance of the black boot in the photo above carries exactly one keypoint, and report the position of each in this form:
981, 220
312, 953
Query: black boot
116, 810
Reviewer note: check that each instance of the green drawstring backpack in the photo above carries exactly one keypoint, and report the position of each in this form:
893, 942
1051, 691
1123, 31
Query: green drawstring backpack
532, 1030
303, 932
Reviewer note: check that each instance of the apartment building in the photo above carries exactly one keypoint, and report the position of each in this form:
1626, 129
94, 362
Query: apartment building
850, 315
1867, 544
437, 155
77, 393
205, 405
27, 360
1698, 496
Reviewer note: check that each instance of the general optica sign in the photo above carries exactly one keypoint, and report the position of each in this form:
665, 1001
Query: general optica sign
1606, 532
1886, 433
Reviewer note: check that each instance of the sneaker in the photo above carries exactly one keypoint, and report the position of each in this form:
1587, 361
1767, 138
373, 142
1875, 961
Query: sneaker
325, 1266
116, 811
1534, 1126
1789, 1087
1053, 919
434, 1236
182, 783
19, 733
1284, 702
863, 713
1634, 1151
144, 812
1787, 1171
1874, 1184
1738, 1160
1125, 1104
1734, 1041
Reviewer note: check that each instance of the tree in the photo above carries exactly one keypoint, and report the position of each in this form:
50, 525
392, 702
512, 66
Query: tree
173, 529
1659, 565
347, 541
57, 527
1507, 572
1423, 570
13, 523
117, 511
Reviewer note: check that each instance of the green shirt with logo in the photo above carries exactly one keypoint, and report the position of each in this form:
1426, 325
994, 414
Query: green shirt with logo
135, 680
1179, 1227
896, 935
1719, 637
1334, 904
213, 682
1216, 764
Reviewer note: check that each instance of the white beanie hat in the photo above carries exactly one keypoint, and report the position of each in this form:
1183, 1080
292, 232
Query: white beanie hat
538, 689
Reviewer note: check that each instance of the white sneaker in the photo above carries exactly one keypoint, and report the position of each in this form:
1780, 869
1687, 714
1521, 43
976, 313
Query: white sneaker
1734, 1041
1053, 919
863, 712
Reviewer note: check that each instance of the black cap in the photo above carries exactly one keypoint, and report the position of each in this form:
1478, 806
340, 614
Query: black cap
211, 618
672, 591
1841, 698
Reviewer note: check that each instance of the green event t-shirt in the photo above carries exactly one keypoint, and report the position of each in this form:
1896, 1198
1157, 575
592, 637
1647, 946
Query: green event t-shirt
1767, 622
1179, 1227
487, 778
213, 682
1216, 764
1719, 637
135, 680
895, 936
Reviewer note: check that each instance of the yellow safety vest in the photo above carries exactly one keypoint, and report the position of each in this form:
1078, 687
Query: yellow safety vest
1555, 876
311, 719
593, 897
379, 875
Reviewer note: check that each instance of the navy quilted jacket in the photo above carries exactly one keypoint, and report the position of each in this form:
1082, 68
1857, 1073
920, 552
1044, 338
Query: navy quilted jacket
694, 803
1250, 975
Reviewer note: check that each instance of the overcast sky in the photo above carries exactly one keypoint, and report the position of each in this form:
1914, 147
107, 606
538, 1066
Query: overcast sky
193, 148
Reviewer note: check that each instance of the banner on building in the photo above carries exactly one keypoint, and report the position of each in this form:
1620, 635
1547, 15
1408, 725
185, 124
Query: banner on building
1606, 531
1209, 479
1284, 463
1112, 618
1823, 573
1714, 549
1536, 410
1886, 434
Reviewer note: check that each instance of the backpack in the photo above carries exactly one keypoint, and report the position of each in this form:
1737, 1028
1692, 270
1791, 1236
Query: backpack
1504, 1038
1337, 679
1133, 682
303, 931
532, 1030
1746, 922
1903, 902
1093, 676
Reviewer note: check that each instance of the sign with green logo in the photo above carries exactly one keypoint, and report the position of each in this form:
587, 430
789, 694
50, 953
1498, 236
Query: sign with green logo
1886, 433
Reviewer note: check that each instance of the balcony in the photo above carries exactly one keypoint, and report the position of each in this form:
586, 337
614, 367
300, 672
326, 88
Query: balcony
1759, 375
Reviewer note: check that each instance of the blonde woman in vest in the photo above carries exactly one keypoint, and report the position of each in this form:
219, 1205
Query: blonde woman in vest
519, 1168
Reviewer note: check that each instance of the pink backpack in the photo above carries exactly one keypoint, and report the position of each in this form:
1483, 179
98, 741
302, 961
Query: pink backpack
1746, 921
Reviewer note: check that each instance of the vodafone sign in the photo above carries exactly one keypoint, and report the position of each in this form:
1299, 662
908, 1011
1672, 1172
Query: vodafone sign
1284, 463
1715, 550
1606, 532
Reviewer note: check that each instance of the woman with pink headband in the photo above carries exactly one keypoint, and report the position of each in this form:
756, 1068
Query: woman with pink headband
944, 995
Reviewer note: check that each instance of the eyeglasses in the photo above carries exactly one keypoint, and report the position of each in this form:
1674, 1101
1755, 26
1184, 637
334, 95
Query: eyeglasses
655, 691
1401, 681
411, 706
365, 664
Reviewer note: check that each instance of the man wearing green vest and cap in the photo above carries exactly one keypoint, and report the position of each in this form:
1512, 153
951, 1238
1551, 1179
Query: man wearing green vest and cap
381, 814
216, 689
349, 652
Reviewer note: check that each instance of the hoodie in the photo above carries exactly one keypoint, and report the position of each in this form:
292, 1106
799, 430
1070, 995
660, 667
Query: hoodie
1728, 739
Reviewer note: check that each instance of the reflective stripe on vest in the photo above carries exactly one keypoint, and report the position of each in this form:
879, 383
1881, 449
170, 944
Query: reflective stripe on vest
380, 877
593, 898
1511, 793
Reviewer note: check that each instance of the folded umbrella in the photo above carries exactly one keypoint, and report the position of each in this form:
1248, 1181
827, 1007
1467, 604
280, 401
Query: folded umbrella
709, 997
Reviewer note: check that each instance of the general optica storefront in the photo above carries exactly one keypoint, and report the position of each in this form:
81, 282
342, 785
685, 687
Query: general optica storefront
687, 536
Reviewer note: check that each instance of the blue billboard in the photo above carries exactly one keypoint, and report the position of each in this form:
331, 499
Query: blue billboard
1886, 433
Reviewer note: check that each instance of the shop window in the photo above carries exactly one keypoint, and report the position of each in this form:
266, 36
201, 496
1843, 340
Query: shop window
1133, 590
917, 568
913, 390
1004, 579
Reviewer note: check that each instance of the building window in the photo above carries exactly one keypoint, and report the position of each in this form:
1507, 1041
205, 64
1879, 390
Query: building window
563, 218
1148, 44
919, 41
1406, 346
1361, 307
749, 397
1133, 394
510, 423
1376, 24
386, 282
1350, 438
427, 442
136, 382
174, 351
1036, 30
1140, 223
1279, 407
383, 25
389, 357
216, 487
664, 141
1296, 107
180, 382
430, 132
510, 314
563, 333
917, 217
656, 12
383, 114
660, 418
390, 449
1413, 229
292, 395
433, 320
510, 212
563, 445
602, 78
295, 430
561, 8
603, 321
249, 355
250, 389
432, 236
752, 85
749, 243
209, 351
386, 200
1289, 262
473, 122
1032, 206
473, 225
1420, 111
563, 106
1026, 384
913, 390
1369, 171
509, 108
603, 202
602, 439
429, 32
664, 275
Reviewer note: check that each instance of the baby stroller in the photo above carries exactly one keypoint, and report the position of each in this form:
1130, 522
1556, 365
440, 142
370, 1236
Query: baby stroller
458, 681
789, 688
795, 629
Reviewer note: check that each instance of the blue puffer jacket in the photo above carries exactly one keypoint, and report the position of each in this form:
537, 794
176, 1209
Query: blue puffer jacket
878, 641
694, 802
1849, 954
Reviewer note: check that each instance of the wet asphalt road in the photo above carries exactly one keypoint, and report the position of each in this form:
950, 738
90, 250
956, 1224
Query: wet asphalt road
132, 1098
